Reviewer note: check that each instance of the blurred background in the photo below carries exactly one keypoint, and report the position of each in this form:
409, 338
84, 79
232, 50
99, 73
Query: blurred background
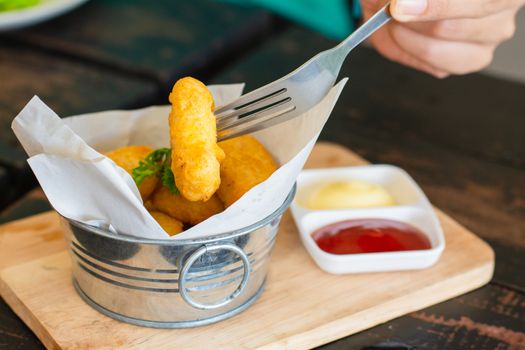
108, 54
461, 138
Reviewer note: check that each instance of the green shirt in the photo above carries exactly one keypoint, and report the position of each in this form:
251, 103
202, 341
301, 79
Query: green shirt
335, 19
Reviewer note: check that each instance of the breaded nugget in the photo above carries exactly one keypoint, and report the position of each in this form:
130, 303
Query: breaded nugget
170, 225
247, 163
184, 210
149, 205
195, 157
128, 158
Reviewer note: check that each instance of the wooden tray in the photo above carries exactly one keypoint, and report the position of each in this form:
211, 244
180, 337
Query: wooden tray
302, 306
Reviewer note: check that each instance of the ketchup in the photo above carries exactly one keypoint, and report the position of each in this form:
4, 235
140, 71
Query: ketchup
369, 236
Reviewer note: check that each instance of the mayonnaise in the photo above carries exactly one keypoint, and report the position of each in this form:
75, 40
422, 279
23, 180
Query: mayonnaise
348, 194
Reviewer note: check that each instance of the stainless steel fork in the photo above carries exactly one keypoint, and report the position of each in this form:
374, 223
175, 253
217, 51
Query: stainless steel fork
294, 93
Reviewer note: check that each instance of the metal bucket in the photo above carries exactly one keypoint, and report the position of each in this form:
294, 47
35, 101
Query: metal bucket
168, 283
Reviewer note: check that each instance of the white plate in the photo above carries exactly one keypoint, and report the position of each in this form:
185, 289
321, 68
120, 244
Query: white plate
413, 208
44, 10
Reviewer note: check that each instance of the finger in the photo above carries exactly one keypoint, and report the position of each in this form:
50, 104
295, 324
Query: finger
371, 6
492, 29
385, 45
452, 56
428, 10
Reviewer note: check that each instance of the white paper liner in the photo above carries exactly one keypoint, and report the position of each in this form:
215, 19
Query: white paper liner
84, 185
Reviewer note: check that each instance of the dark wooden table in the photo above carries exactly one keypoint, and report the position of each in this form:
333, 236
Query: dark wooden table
462, 139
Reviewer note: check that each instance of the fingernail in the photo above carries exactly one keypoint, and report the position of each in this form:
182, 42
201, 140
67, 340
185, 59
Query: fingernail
411, 7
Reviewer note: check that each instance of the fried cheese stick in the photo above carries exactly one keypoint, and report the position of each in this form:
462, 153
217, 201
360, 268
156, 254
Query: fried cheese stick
195, 157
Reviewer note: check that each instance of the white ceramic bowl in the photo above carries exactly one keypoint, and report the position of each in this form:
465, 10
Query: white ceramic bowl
412, 208
43, 11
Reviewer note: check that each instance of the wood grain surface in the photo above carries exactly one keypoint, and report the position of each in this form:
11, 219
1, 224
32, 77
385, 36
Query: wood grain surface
4, 182
67, 87
301, 307
461, 323
160, 40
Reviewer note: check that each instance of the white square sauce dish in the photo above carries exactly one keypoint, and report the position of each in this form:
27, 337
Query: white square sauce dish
366, 219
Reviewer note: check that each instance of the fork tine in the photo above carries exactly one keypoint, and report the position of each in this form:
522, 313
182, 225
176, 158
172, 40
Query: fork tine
277, 116
253, 97
244, 112
249, 106
307, 84
255, 114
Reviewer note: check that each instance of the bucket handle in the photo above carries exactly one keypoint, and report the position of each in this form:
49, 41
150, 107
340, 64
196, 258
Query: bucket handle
197, 254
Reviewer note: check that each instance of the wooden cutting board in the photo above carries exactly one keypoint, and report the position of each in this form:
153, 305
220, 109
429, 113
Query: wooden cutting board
302, 306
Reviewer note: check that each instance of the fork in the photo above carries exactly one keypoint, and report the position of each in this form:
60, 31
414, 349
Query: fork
295, 93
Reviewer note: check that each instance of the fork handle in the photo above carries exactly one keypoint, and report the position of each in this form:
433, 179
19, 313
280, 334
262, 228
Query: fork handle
375, 22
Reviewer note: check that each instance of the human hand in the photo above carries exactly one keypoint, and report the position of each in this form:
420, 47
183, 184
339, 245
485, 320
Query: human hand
443, 37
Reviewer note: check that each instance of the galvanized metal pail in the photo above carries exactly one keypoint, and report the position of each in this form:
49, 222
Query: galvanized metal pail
172, 283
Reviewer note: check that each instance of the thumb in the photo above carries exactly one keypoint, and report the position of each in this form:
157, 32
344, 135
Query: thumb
407, 10
431, 10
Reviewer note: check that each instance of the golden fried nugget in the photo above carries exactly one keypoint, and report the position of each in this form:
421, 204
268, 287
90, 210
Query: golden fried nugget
195, 157
184, 210
247, 163
170, 225
149, 205
128, 158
